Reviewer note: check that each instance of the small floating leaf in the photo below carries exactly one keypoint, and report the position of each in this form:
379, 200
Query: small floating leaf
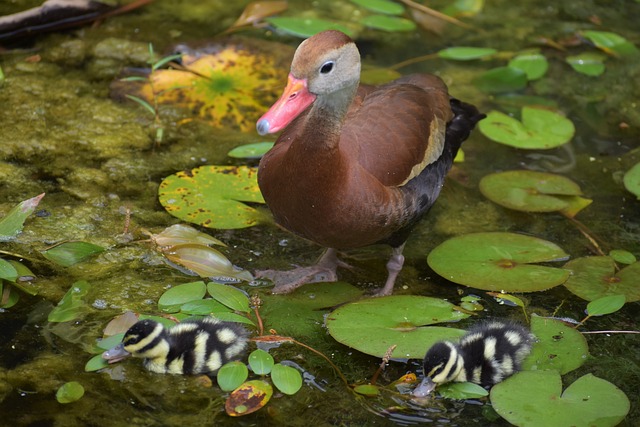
558, 347
460, 391
9, 295
368, 390
388, 23
536, 399
305, 27
632, 180
8, 271
203, 307
24, 279
204, 261
539, 129
72, 304
394, 320
70, 392
260, 362
70, 253
96, 363
381, 6
499, 262
211, 196
622, 256
589, 63
233, 298
595, 277
251, 151
231, 375
110, 342
233, 317
287, 379
461, 53
502, 79
611, 43
534, 64
175, 297
12, 223
248, 398
529, 191
605, 305
180, 234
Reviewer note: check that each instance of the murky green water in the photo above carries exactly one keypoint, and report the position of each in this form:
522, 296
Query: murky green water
60, 133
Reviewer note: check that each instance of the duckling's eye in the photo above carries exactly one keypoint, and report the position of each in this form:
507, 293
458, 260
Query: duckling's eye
327, 67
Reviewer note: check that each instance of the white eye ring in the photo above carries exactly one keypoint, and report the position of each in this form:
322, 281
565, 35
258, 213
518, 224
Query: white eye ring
327, 67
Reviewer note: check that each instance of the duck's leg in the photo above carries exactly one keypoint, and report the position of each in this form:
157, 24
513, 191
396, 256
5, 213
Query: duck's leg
394, 266
322, 271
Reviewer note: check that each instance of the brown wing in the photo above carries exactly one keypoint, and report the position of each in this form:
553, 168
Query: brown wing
397, 129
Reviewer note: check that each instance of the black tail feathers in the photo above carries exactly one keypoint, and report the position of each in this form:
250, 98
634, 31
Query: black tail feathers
465, 118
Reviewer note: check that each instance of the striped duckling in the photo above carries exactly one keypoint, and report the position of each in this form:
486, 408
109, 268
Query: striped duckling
191, 347
486, 354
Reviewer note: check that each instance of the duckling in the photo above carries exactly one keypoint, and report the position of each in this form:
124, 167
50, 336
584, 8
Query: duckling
191, 347
486, 354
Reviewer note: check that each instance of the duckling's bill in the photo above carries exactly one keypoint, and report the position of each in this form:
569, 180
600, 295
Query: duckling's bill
116, 354
425, 388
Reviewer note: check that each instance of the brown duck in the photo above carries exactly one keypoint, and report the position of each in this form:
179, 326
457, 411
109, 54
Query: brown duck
355, 165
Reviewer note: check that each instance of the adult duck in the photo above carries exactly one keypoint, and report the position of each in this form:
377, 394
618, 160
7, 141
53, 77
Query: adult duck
355, 165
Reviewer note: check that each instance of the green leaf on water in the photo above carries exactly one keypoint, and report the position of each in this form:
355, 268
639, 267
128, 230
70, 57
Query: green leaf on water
368, 390
250, 151
610, 43
533, 63
203, 307
622, 256
558, 347
530, 191
606, 305
463, 53
70, 253
96, 363
503, 262
176, 296
381, 6
536, 399
72, 304
8, 271
305, 27
231, 375
539, 129
287, 379
233, 298
589, 63
70, 392
233, 317
204, 261
260, 362
388, 23
596, 276
400, 320
212, 196
182, 234
632, 180
110, 342
461, 391
11, 224
501, 79
9, 295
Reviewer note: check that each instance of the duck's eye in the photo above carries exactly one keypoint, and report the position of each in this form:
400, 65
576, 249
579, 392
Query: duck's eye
326, 67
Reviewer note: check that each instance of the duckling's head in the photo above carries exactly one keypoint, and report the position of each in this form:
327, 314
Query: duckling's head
442, 364
146, 338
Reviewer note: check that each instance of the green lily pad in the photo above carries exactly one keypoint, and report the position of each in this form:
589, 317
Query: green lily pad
110, 342
622, 256
381, 6
501, 79
8, 271
540, 129
261, 362
606, 305
536, 399
462, 53
72, 304
9, 295
588, 63
388, 23
231, 375
203, 307
24, 279
211, 196
305, 27
595, 277
70, 392
611, 43
287, 379
250, 151
96, 363
175, 297
534, 64
394, 320
231, 297
529, 191
11, 224
70, 253
558, 347
368, 390
632, 180
460, 391
499, 262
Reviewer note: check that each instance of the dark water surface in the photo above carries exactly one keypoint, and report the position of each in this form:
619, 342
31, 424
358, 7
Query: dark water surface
60, 133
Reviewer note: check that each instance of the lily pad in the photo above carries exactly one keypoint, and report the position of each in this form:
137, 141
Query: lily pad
96, 363
499, 262
558, 347
539, 129
394, 320
388, 23
251, 151
534, 64
70, 392
212, 196
622, 256
461, 391
605, 305
501, 79
287, 379
230, 88
536, 399
595, 277
11, 224
248, 398
530, 191
175, 297
231, 375
305, 27
463, 53
588, 63
260, 362
632, 180
611, 43
231, 297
